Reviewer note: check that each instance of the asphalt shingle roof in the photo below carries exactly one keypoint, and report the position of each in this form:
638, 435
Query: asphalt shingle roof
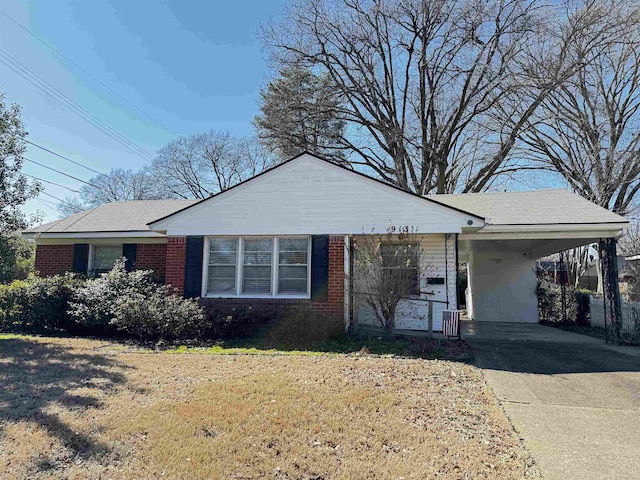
538, 207
114, 217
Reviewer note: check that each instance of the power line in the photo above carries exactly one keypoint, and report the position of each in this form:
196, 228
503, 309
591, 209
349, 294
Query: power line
63, 173
66, 158
58, 199
54, 93
58, 52
47, 204
52, 183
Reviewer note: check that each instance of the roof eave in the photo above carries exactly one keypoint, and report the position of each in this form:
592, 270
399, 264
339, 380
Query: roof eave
105, 234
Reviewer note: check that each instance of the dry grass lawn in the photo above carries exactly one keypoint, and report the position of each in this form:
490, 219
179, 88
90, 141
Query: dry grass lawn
79, 408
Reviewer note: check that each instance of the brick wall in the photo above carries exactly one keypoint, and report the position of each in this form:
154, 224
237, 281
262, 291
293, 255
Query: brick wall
54, 259
334, 305
175, 260
152, 256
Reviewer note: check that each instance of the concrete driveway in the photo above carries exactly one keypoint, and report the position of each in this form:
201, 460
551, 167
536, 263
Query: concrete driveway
574, 400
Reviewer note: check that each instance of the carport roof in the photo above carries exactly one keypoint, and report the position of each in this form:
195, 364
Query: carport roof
538, 207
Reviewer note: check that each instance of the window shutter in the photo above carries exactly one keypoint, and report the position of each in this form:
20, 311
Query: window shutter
129, 251
319, 267
80, 258
193, 267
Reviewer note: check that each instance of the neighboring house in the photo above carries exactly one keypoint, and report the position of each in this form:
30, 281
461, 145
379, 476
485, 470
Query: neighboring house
285, 236
556, 271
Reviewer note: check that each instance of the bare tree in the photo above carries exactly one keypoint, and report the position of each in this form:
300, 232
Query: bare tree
435, 93
116, 186
630, 247
200, 165
587, 130
299, 113
577, 262
387, 269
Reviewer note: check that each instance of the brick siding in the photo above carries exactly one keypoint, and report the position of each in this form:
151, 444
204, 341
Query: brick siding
334, 304
53, 259
175, 261
152, 256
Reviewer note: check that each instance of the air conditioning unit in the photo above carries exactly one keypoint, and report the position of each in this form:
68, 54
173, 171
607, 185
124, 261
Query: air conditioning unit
451, 323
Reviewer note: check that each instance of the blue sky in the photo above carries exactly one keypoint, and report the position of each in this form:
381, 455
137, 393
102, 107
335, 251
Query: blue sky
190, 65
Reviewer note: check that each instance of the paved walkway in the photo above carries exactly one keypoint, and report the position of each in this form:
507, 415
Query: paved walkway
574, 400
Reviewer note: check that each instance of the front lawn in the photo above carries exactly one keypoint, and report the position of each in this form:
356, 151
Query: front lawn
81, 408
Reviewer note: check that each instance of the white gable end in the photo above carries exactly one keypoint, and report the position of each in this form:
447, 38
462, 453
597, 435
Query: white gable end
312, 196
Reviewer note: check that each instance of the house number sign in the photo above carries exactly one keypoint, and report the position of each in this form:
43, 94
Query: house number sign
402, 229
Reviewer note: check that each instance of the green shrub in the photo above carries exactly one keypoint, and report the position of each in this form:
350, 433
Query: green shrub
550, 307
134, 304
302, 326
94, 302
37, 304
153, 313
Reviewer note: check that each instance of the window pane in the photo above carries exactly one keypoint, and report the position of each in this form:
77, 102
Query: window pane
292, 279
299, 272
256, 279
293, 258
292, 286
257, 258
222, 279
256, 273
258, 245
222, 251
400, 265
222, 266
293, 265
294, 244
105, 256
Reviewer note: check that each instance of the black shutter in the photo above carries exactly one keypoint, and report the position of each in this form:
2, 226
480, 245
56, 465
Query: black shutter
80, 258
319, 267
193, 267
129, 251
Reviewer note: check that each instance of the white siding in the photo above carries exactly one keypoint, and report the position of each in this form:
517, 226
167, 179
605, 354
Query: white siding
413, 314
310, 196
503, 284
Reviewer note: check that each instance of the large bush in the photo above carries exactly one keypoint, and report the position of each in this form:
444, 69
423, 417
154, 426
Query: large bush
134, 304
551, 308
155, 314
95, 300
37, 304
302, 327
238, 319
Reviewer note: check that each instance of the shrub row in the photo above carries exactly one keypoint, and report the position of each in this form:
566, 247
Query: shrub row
133, 304
128, 303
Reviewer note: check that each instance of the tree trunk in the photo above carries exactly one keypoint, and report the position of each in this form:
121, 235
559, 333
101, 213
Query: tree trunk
611, 288
389, 331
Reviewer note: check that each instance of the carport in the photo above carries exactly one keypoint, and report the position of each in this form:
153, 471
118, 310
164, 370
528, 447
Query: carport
521, 227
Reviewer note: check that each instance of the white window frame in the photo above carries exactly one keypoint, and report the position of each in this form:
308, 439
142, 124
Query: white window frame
92, 248
275, 255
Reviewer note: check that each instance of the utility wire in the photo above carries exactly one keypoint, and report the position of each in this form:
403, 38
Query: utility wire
59, 53
66, 158
58, 199
54, 93
63, 173
49, 205
75, 163
52, 183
